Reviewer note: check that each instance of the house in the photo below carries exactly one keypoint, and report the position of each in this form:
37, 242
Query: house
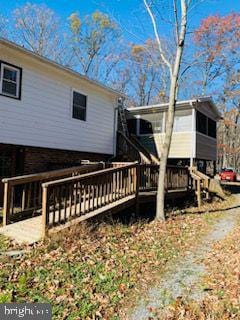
51, 116
194, 132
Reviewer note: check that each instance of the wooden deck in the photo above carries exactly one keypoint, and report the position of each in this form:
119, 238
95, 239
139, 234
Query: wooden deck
30, 230
25, 231
70, 200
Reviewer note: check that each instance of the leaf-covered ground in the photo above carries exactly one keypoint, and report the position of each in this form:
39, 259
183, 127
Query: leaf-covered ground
215, 264
97, 271
221, 283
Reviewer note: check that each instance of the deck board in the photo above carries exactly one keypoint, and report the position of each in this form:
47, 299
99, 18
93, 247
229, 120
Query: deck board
25, 231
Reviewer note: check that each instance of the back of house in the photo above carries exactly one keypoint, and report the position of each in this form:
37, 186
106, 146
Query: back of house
50, 116
194, 140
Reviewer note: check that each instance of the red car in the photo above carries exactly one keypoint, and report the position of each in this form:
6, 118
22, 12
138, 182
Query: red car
228, 174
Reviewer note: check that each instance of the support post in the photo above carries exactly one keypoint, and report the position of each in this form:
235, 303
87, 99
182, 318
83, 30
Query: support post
6, 203
199, 192
44, 210
214, 168
207, 193
137, 188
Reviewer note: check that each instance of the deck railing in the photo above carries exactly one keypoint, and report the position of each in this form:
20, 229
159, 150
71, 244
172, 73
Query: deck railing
81, 192
71, 198
176, 177
23, 194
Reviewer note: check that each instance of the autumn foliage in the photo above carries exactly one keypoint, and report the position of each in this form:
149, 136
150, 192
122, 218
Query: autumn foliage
214, 34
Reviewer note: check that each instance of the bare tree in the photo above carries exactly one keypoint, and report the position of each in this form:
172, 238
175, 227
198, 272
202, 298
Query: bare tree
95, 40
144, 71
3, 26
174, 71
38, 28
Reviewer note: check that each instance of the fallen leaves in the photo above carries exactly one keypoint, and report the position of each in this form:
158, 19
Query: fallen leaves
95, 271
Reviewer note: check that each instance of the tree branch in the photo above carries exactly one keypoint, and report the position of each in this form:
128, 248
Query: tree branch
165, 60
176, 20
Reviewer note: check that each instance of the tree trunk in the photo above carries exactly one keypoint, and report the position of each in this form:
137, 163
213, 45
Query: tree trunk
160, 214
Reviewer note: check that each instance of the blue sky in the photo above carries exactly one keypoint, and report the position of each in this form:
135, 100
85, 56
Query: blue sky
129, 13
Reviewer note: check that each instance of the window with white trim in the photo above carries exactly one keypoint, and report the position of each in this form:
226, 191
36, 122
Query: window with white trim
79, 105
10, 80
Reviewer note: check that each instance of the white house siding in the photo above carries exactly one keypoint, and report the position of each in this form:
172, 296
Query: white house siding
182, 121
182, 138
206, 147
43, 116
181, 145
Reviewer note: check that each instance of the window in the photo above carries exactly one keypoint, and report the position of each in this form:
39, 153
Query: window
5, 165
157, 126
10, 80
182, 121
132, 126
212, 128
206, 125
145, 127
201, 123
151, 123
79, 106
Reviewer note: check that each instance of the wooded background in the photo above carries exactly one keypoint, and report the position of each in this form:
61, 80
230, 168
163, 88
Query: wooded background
95, 46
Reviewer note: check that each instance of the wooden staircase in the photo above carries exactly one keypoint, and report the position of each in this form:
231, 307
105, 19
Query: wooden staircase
201, 183
144, 150
130, 149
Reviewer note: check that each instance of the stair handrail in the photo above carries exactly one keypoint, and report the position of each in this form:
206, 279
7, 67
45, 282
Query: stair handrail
141, 156
204, 177
154, 159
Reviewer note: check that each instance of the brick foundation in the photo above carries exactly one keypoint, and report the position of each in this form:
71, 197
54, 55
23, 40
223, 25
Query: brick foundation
27, 160
41, 159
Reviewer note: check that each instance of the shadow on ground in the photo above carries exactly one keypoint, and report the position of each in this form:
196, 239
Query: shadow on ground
146, 212
173, 207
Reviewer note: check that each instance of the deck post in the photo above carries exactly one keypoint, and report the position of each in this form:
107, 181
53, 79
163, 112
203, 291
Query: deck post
6, 203
199, 193
44, 210
137, 188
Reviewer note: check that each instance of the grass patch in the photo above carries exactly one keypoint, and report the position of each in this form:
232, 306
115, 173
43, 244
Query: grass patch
96, 270
3, 243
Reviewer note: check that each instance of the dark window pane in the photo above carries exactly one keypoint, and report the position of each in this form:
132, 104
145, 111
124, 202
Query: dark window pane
201, 123
9, 88
132, 126
79, 106
10, 74
79, 113
212, 128
145, 127
5, 165
79, 99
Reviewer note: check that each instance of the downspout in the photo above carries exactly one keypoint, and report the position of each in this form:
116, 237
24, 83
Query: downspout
193, 134
115, 128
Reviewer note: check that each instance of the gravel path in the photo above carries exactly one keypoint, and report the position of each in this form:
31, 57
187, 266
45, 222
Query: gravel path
183, 279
